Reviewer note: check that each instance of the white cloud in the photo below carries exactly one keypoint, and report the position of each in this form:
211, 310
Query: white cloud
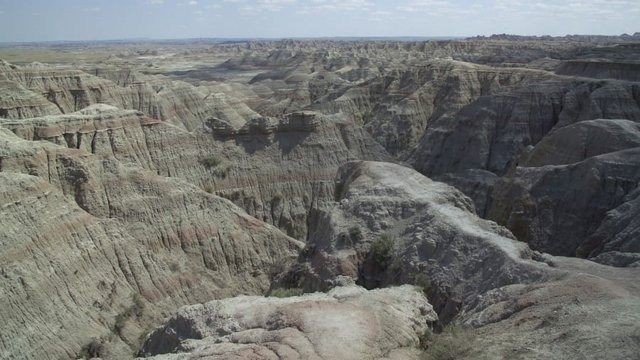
264, 5
572, 9
193, 3
339, 5
155, 2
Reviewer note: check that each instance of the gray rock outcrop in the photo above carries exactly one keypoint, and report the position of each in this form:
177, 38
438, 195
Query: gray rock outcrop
345, 323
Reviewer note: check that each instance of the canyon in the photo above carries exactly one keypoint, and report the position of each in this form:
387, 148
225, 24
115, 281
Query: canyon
321, 199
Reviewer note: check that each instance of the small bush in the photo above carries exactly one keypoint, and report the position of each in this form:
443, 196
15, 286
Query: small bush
344, 239
174, 267
285, 293
383, 251
210, 161
455, 342
308, 251
209, 188
121, 319
138, 305
355, 234
422, 280
337, 192
396, 267
93, 349
137, 308
222, 170
367, 116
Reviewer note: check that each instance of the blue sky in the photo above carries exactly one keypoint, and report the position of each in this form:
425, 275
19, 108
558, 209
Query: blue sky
35, 20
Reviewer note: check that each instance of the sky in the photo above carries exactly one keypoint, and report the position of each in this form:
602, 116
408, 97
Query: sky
50, 20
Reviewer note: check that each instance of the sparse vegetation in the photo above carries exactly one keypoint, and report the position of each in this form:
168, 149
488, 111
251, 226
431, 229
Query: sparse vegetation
337, 192
285, 293
136, 309
93, 349
367, 116
355, 234
210, 161
174, 267
222, 170
308, 251
383, 251
209, 188
454, 342
138, 304
120, 321
396, 266
422, 280
344, 239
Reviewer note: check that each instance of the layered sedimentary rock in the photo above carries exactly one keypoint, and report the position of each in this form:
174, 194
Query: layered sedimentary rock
397, 107
18, 102
278, 170
72, 90
254, 164
629, 71
345, 323
556, 208
582, 140
108, 248
565, 185
492, 132
616, 241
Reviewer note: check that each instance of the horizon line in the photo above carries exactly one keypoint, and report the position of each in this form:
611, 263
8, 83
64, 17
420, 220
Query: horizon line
272, 38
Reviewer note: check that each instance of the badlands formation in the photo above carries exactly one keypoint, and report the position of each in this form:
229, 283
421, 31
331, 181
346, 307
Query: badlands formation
321, 199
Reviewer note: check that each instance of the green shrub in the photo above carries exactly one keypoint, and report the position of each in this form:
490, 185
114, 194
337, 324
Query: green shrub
222, 170
210, 161
344, 239
138, 305
355, 234
337, 192
209, 188
93, 349
285, 293
120, 320
367, 116
455, 342
136, 308
422, 280
383, 251
174, 267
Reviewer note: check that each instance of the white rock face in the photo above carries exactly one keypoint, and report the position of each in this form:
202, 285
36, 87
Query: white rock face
345, 323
